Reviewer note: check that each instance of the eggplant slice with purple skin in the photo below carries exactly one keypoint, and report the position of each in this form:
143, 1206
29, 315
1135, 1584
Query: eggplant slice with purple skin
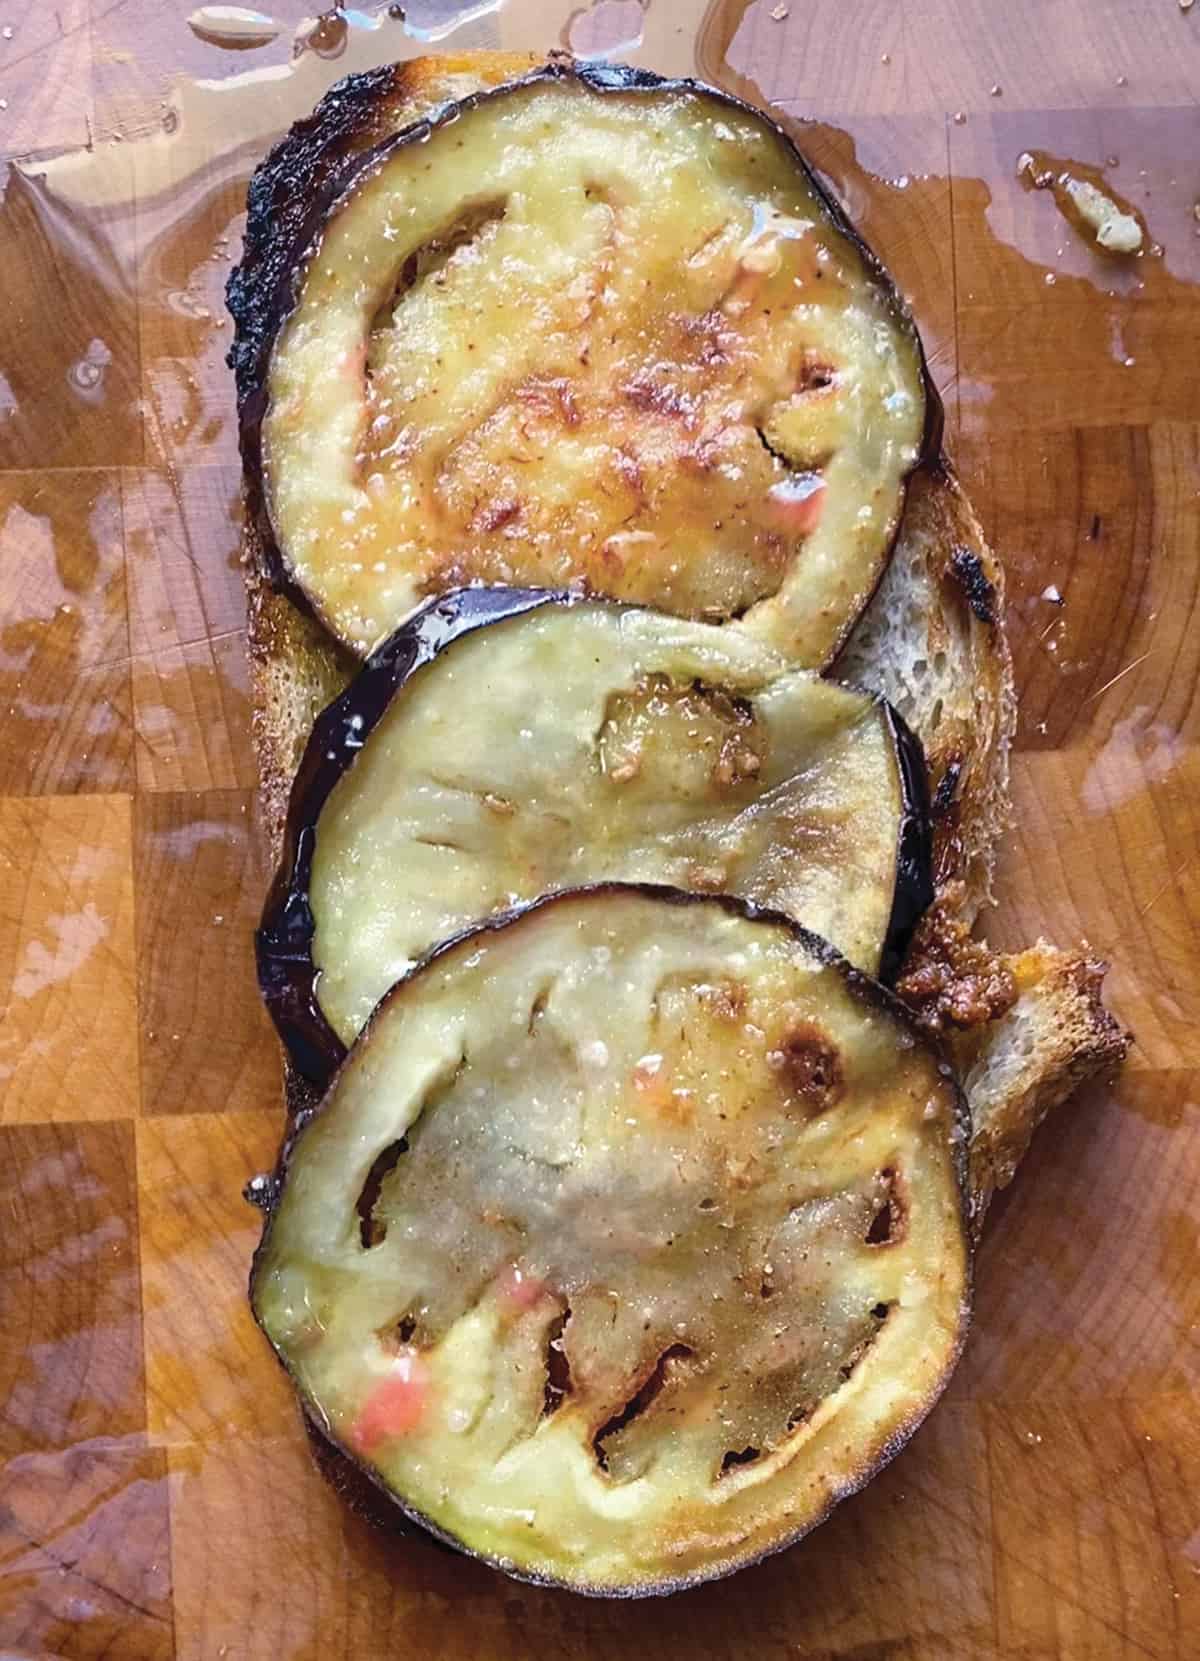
627, 1241
590, 326
508, 743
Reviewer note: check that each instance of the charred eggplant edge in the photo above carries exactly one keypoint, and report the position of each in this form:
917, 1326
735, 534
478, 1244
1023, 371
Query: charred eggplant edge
287, 975
346, 1472
913, 890
317, 155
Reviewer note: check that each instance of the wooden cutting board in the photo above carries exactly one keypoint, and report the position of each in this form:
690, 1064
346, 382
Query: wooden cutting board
156, 1496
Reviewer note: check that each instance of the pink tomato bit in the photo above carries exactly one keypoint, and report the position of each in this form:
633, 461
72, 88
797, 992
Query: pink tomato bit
395, 1405
519, 1289
797, 501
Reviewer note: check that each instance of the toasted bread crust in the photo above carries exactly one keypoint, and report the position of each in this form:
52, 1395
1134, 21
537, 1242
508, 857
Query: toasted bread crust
1055, 1037
932, 641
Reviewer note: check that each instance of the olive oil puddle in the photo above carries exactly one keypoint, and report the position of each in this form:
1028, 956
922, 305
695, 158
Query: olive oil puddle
113, 391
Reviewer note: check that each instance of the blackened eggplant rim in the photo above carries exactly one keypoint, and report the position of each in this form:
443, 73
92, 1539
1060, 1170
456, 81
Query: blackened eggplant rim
288, 976
252, 381
411, 1522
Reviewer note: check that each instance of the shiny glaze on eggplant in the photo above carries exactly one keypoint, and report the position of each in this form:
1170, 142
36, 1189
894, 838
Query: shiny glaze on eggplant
359, 1484
283, 943
318, 163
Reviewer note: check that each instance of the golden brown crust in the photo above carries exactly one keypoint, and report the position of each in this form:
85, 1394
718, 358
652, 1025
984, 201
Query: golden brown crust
950, 979
1055, 1037
969, 756
295, 670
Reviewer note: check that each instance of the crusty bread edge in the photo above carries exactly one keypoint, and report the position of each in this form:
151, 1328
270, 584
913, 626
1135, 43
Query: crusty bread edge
941, 554
1056, 1037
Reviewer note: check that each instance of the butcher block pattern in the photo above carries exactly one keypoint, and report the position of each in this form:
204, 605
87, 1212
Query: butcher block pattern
157, 1497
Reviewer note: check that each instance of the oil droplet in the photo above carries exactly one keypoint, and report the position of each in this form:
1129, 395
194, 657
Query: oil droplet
997, 89
1122, 80
325, 35
608, 28
236, 28
86, 377
7, 32
885, 57
433, 20
960, 117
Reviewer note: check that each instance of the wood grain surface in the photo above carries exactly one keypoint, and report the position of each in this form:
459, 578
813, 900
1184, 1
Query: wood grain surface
157, 1498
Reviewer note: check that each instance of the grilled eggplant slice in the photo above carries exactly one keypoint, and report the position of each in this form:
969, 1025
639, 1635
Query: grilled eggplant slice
469, 768
627, 1241
590, 326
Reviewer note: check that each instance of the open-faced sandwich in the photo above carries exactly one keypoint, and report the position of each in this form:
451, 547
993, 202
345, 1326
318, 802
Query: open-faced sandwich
633, 707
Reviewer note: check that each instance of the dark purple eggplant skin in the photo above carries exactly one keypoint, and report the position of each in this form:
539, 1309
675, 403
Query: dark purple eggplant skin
287, 975
306, 176
355, 1480
914, 891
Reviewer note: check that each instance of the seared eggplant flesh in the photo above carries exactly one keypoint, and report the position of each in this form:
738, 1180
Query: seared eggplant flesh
577, 741
593, 328
628, 1239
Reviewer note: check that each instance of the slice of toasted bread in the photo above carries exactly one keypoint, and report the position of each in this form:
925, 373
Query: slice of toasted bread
932, 641
1032, 1027
1057, 1035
